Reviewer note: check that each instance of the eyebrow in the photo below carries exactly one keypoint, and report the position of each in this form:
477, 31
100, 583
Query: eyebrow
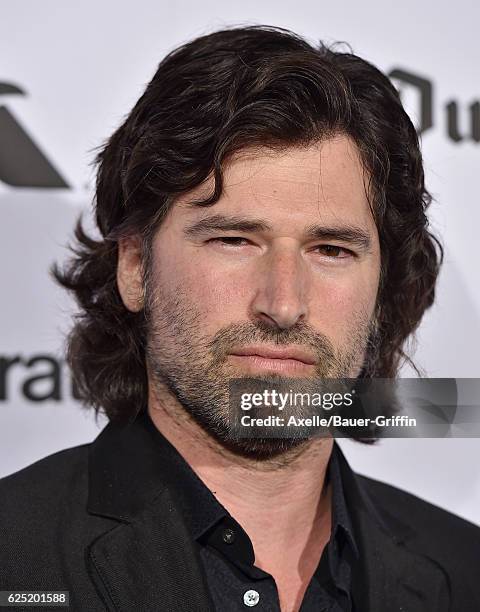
345, 233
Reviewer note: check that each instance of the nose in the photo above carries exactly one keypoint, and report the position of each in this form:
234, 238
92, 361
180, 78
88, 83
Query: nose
281, 295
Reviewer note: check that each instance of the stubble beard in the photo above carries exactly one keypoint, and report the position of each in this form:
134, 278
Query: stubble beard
193, 369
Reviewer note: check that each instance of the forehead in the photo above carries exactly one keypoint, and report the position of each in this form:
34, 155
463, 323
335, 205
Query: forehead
295, 185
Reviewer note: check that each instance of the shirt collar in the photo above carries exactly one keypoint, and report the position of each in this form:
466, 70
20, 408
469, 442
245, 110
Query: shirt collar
199, 508
207, 519
341, 520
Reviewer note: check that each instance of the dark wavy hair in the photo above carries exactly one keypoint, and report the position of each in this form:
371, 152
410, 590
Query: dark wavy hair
216, 95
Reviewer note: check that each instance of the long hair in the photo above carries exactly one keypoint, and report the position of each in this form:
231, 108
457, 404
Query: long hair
216, 95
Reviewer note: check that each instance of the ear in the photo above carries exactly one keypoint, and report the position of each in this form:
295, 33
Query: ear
129, 273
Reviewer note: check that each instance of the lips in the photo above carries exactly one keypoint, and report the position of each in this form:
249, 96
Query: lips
281, 353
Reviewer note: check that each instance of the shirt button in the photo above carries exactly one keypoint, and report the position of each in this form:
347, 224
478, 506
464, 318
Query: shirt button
228, 536
251, 598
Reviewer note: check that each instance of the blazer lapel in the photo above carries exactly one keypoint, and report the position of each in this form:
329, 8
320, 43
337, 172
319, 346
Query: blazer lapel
392, 576
147, 560
398, 579
150, 564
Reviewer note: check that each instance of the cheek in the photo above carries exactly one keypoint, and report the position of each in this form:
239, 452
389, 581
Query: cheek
217, 296
338, 302
339, 305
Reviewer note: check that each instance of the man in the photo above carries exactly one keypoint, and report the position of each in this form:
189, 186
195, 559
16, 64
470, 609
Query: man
262, 214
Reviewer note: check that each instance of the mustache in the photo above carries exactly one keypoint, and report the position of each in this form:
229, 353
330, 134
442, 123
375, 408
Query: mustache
240, 334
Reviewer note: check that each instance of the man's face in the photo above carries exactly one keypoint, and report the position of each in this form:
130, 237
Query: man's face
277, 279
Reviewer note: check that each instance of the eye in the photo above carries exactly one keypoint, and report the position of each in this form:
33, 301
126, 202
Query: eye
333, 252
230, 240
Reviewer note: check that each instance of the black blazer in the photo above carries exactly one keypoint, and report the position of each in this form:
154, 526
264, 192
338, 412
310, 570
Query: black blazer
85, 520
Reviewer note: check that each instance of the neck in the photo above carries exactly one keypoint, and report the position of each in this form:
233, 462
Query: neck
281, 503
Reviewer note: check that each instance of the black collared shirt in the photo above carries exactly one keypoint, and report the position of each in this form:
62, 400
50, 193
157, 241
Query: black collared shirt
227, 554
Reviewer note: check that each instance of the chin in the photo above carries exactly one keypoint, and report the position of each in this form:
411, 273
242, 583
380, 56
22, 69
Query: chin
260, 449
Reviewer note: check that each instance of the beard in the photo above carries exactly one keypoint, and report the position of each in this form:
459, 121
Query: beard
194, 370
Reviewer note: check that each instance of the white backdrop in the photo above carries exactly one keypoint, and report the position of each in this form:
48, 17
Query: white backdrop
81, 68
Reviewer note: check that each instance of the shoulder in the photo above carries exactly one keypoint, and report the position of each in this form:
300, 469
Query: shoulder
435, 532
44, 524
45, 528
39, 487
